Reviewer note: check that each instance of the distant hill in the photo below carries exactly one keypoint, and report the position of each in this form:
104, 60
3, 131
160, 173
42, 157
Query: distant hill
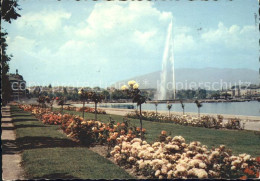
209, 78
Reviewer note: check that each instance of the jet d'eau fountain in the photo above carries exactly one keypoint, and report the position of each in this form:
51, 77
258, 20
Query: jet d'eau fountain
167, 89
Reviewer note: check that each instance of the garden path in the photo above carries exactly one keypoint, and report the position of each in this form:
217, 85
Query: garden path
11, 158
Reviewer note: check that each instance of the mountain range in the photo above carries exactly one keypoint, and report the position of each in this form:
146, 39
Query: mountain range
208, 78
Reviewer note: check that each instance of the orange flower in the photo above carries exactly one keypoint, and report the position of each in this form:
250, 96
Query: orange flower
108, 139
257, 175
118, 124
130, 131
163, 132
123, 124
111, 130
122, 132
243, 177
101, 129
143, 130
249, 171
258, 159
138, 129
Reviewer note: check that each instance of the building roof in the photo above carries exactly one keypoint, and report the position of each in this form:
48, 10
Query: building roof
15, 77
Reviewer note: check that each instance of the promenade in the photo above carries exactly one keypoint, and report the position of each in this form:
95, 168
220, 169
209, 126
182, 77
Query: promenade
11, 157
250, 122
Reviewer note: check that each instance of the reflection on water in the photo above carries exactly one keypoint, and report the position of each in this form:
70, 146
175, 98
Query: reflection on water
251, 108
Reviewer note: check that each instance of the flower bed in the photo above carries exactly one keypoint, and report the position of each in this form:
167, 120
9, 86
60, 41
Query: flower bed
86, 131
86, 109
167, 158
174, 158
203, 121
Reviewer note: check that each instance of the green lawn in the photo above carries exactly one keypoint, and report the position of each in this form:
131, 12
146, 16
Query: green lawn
47, 153
240, 141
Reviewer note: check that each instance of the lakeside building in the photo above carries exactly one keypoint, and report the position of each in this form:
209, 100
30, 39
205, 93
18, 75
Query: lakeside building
18, 86
252, 90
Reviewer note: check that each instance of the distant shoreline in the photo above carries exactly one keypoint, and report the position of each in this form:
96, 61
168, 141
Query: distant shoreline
122, 112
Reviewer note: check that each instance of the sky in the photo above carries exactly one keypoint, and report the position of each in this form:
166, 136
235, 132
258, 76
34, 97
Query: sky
97, 43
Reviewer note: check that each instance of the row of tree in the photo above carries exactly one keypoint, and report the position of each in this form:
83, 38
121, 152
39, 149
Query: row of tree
9, 10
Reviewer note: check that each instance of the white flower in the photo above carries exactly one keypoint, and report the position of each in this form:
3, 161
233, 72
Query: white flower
164, 170
124, 87
202, 165
202, 174
131, 82
169, 174
157, 173
247, 157
131, 158
135, 86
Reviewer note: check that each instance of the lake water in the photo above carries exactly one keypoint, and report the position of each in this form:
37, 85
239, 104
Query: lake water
251, 108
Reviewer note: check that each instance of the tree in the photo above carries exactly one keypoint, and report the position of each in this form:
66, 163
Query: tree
199, 105
106, 94
182, 106
83, 97
96, 98
65, 92
156, 104
8, 12
169, 106
49, 86
201, 93
137, 97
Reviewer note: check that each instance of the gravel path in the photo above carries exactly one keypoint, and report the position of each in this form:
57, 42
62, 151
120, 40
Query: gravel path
11, 158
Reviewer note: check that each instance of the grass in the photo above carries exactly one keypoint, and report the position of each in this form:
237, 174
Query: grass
240, 141
48, 153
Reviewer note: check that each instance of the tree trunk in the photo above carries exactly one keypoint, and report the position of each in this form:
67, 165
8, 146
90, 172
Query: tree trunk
183, 111
62, 109
83, 109
199, 112
141, 123
95, 111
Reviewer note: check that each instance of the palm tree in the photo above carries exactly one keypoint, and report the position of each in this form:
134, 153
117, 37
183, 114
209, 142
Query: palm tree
199, 105
182, 105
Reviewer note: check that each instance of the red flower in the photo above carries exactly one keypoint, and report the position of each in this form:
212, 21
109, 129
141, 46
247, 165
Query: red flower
249, 171
57, 98
243, 177
163, 132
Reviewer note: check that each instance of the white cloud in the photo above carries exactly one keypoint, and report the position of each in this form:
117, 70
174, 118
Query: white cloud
44, 21
233, 36
183, 42
126, 37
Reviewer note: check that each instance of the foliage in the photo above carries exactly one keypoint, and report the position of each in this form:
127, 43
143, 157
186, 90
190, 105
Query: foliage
9, 10
47, 153
87, 132
203, 121
174, 158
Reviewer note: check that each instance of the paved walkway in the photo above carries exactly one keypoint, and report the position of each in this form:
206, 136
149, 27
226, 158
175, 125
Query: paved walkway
11, 158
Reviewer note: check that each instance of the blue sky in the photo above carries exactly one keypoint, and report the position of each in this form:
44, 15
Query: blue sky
90, 43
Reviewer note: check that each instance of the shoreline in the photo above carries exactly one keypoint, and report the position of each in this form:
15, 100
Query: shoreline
123, 111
